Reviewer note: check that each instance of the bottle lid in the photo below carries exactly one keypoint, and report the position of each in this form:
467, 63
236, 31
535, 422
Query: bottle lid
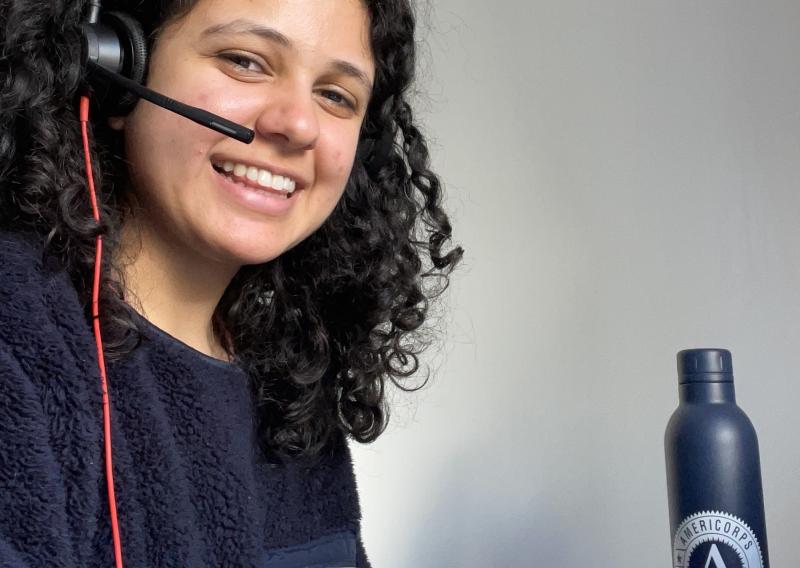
705, 366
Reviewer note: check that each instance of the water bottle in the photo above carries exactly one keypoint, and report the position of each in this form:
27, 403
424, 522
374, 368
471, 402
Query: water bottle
716, 503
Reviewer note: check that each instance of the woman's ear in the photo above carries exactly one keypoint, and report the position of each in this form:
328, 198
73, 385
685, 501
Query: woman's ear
116, 122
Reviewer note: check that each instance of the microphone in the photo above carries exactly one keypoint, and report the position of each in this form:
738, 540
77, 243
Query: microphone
200, 116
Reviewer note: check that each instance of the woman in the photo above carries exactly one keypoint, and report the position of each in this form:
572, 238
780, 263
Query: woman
254, 300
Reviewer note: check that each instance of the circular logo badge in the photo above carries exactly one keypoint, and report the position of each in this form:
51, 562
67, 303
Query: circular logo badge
715, 540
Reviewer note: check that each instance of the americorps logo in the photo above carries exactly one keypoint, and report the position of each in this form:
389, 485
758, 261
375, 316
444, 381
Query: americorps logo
712, 539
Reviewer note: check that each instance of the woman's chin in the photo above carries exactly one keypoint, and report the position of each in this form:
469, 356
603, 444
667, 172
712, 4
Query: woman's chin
246, 253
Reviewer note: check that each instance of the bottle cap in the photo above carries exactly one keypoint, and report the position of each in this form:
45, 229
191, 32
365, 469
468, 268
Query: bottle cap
705, 366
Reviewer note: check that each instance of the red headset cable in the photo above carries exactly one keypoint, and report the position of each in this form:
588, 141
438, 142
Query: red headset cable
112, 502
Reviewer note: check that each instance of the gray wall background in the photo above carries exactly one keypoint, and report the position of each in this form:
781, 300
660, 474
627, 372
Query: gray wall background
624, 178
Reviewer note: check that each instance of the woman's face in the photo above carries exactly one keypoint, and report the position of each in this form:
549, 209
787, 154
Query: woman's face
299, 73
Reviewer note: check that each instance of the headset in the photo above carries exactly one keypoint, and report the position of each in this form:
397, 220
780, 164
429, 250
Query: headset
114, 56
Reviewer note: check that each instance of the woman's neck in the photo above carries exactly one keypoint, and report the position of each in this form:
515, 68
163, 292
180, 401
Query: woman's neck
173, 287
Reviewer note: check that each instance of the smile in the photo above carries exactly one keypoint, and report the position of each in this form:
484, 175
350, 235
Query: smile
257, 178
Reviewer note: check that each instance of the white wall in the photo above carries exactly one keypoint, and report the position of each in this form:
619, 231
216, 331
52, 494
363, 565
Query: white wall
625, 179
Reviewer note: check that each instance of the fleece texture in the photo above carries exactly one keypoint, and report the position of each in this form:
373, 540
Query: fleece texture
192, 487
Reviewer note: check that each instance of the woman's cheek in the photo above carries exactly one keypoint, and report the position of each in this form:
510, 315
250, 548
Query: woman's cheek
344, 160
342, 152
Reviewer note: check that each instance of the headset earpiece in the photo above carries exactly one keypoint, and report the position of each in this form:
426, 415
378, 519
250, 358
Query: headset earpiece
134, 58
116, 43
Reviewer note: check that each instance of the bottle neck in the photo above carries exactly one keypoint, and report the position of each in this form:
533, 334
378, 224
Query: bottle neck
707, 392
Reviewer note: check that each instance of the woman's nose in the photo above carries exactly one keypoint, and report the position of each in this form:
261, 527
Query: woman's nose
290, 119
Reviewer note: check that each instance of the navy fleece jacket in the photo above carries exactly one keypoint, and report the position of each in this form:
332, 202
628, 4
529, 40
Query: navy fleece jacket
192, 487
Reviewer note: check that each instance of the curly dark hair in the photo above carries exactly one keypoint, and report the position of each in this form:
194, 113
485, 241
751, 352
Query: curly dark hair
319, 329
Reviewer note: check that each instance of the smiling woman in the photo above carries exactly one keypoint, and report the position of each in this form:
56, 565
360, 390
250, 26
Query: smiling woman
294, 59
255, 298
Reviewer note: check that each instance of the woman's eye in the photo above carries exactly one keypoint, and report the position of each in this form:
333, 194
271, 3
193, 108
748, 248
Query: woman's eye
242, 62
338, 99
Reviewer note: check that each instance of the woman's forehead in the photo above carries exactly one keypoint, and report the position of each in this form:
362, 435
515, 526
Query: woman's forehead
336, 27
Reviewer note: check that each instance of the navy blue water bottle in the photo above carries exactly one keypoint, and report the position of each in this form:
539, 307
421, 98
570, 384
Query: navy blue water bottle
716, 503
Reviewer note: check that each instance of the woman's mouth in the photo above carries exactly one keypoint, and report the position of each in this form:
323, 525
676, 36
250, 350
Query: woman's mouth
250, 195
256, 178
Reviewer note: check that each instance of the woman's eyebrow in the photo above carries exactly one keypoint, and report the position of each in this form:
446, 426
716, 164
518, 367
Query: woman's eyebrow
347, 68
244, 26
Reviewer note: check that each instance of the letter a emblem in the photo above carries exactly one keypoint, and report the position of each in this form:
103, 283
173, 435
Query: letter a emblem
714, 555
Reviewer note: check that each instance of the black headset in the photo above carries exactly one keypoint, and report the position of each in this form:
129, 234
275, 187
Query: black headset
115, 54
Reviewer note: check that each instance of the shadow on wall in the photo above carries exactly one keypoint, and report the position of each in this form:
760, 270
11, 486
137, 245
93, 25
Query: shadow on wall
480, 524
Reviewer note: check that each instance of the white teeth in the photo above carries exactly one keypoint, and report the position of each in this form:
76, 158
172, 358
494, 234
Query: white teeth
264, 178
277, 183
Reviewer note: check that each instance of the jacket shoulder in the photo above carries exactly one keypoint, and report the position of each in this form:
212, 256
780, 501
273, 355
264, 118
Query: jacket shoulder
49, 430
20, 252
38, 303
23, 278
